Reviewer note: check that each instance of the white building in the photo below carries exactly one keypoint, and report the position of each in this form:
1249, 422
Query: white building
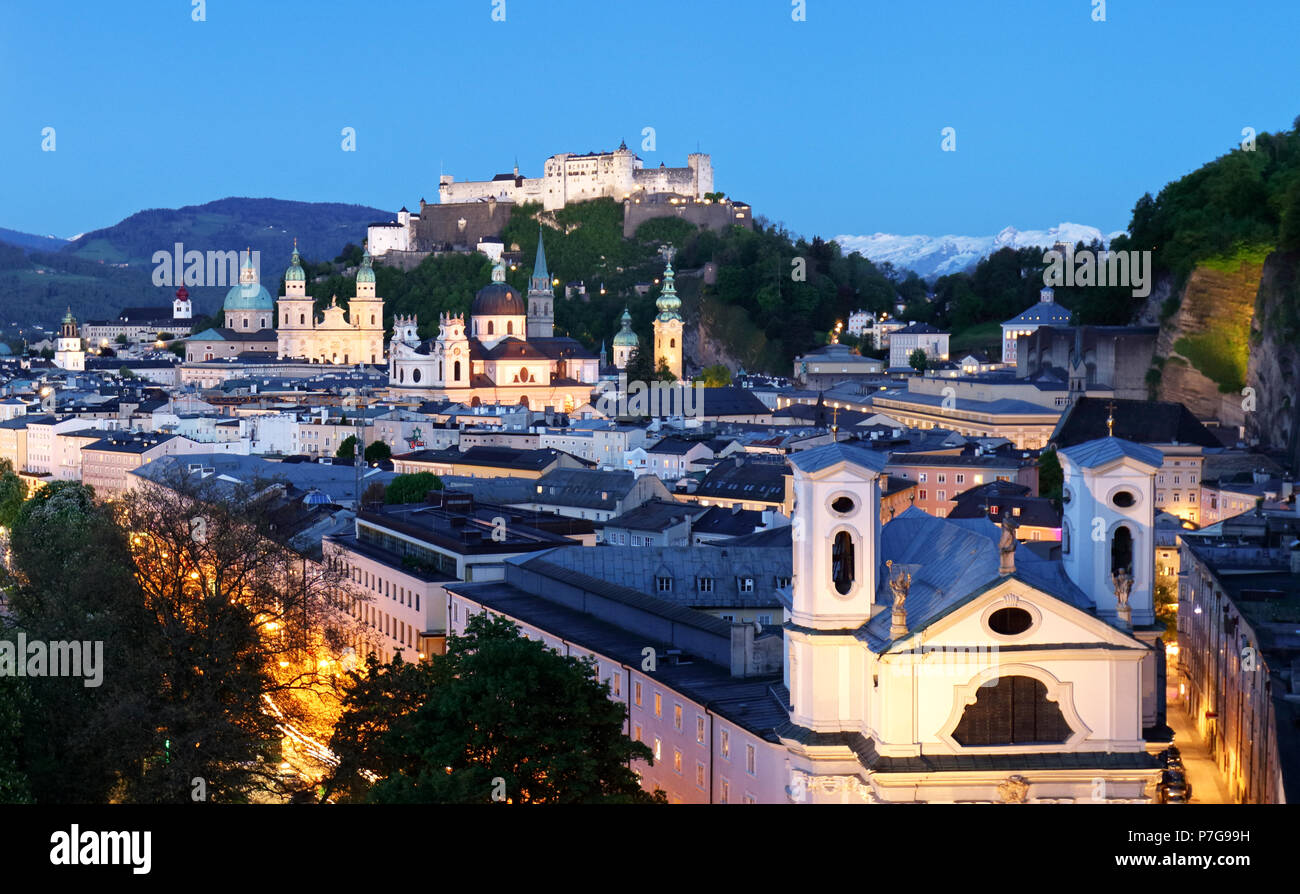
859, 320
1045, 313
915, 336
996, 677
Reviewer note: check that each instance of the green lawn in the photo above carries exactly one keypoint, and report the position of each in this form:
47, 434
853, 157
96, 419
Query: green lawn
985, 337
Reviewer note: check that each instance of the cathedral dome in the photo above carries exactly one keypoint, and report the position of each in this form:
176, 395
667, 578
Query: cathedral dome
249, 294
497, 300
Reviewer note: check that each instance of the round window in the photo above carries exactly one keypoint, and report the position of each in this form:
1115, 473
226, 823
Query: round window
1124, 499
842, 505
1010, 621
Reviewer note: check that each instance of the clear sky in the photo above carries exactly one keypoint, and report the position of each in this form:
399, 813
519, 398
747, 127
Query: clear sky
831, 125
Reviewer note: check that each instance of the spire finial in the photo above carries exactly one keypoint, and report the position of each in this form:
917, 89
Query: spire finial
1110, 420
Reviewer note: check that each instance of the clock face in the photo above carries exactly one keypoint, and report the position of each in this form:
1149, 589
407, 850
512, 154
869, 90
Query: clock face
456, 352
1065, 495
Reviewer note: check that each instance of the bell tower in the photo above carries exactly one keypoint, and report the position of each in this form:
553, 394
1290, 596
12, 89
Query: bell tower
668, 325
836, 533
541, 297
1109, 524
453, 348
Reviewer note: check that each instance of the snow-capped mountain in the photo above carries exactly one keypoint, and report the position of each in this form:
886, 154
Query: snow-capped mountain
932, 256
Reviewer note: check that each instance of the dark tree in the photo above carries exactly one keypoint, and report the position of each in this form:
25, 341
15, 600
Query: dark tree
499, 717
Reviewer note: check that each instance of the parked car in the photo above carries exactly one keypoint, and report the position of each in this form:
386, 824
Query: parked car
1173, 757
1174, 787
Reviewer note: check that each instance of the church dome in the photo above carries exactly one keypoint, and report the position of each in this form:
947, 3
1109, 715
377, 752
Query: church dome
626, 337
249, 294
497, 300
367, 272
295, 273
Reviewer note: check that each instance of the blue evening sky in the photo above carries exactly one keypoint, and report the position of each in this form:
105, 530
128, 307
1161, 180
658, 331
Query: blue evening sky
831, 125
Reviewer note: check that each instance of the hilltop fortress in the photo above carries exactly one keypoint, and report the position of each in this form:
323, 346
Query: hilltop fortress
471, 215
578, 178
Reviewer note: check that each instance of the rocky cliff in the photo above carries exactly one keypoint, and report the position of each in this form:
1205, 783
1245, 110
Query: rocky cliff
1203, 345
1231, 349
1274, 373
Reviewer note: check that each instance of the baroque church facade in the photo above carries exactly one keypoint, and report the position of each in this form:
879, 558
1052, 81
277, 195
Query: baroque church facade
507, 352
250, 322
938, 660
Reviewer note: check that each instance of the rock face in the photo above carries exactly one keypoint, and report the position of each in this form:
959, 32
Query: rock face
1274, 372
1204, 343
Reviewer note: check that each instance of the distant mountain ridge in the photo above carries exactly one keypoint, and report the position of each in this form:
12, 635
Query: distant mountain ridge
933, 256
100, 272
31, 240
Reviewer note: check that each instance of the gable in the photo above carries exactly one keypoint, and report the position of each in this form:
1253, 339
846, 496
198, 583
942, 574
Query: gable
1054, 624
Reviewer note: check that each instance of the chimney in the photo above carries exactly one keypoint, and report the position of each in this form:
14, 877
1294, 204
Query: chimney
742, 647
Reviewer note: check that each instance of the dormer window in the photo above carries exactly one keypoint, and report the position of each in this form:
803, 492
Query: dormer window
704, 584
745, 584
664, 584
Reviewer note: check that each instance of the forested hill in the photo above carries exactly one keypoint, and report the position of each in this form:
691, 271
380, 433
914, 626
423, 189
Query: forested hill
108, 269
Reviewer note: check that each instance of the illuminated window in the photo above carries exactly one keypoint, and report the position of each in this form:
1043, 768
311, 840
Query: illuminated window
725, 745
751, 759
677, 717
699, 728
659, 705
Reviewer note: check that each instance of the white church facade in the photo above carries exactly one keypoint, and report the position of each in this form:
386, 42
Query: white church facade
506, 353
937, 660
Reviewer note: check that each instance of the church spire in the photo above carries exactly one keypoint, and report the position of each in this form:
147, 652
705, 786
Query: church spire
541, 278
668, 303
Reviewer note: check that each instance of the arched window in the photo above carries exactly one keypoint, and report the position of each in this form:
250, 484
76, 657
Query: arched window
1013, 711
489, 327
286, 320
441, 377
372, 319
1121, 549
302, 319
842, 568
510, 327
455, 371
672, 342
401, 374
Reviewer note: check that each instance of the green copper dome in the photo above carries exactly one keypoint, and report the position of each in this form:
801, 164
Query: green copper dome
366, 273
295, 273
668, 302
626, 337
248, 294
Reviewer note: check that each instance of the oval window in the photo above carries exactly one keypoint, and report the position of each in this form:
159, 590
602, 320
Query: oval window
415, 375
1124, 499
1010, 621
842, 505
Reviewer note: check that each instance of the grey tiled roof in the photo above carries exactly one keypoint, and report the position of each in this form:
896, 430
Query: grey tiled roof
1091, 454
809, 461
641, 567
952, 561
